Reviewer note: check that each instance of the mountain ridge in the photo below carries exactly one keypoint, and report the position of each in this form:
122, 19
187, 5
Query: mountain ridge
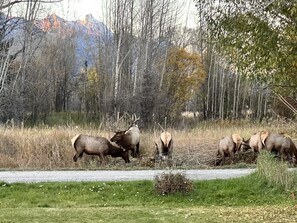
86, 34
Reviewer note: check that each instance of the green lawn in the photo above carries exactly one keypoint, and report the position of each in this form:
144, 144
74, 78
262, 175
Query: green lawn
247, 199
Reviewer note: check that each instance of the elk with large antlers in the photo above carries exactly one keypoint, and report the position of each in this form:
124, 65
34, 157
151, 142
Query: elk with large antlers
129, 139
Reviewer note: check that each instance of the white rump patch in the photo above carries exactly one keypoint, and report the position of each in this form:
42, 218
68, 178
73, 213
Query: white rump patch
74, 139
237, 140
165, 137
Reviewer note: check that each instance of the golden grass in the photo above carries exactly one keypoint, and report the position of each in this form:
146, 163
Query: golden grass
50, 148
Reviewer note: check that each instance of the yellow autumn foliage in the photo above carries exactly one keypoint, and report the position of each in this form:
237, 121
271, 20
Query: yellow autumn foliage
183, 76
93, 77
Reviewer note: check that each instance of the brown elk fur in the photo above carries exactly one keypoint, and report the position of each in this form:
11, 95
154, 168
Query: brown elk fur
96, 146
228, 146
257, 142
273, 142
128, 139
282, 144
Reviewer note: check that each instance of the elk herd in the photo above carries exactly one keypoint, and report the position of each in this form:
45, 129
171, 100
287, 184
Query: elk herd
126, 142
279, 144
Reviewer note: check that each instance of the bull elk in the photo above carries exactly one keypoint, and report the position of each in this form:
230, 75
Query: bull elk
129, 139
100, 146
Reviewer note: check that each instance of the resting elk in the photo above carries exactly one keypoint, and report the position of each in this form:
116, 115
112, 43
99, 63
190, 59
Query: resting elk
164, 146
129, 139
100, 146
228, 146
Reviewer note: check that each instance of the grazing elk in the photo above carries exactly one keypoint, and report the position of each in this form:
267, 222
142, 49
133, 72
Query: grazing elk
228, 146
279, 143
129, 139
164, 146
256, 142
100, 146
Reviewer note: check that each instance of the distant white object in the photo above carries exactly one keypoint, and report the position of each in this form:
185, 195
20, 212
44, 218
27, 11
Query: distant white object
190, 114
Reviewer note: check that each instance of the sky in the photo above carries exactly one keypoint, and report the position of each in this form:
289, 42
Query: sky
77, 9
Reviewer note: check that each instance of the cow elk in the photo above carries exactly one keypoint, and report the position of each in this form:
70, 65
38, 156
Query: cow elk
100, 146
228, 146
256, 142
278, 143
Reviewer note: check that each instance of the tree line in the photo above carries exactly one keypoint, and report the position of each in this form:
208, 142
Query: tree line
151, 65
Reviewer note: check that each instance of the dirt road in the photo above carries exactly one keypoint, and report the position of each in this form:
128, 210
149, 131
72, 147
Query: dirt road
114, 175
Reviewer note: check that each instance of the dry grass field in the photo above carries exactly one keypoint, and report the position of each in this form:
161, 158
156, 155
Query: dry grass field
50, 147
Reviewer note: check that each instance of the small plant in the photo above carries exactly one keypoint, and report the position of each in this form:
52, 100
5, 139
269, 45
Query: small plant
171, 183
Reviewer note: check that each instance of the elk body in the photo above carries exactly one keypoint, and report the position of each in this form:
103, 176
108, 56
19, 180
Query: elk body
256, 142
128, 139
282, 144
228, 146
96, 146
164, 146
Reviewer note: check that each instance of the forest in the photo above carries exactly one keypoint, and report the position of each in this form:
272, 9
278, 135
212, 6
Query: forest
239, 62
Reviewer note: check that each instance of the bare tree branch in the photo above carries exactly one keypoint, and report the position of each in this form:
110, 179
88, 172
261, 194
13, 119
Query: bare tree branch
7, 4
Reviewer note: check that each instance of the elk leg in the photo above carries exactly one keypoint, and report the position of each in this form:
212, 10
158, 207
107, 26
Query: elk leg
253, 155
282, 154
223, 160
218, 161
133, 154
294, 155
240, 152
102, 158
232, 156
137, 149
126, 157
289, 156
77, 155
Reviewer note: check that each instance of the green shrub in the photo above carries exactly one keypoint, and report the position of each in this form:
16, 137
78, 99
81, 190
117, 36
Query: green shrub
275, 172
171, 183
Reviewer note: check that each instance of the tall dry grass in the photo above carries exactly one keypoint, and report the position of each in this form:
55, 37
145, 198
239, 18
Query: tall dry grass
275, 172
50, 148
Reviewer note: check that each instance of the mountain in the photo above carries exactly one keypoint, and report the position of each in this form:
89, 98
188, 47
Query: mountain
87, 34
90, 26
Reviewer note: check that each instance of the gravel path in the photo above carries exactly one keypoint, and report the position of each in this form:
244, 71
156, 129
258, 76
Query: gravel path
114, 175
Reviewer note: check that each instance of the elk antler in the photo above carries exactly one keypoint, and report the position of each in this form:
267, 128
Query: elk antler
161, 127
116, 124
134, 119
164, 130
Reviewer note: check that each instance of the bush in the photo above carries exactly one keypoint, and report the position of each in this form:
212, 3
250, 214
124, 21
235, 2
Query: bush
171, 183
275, 172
